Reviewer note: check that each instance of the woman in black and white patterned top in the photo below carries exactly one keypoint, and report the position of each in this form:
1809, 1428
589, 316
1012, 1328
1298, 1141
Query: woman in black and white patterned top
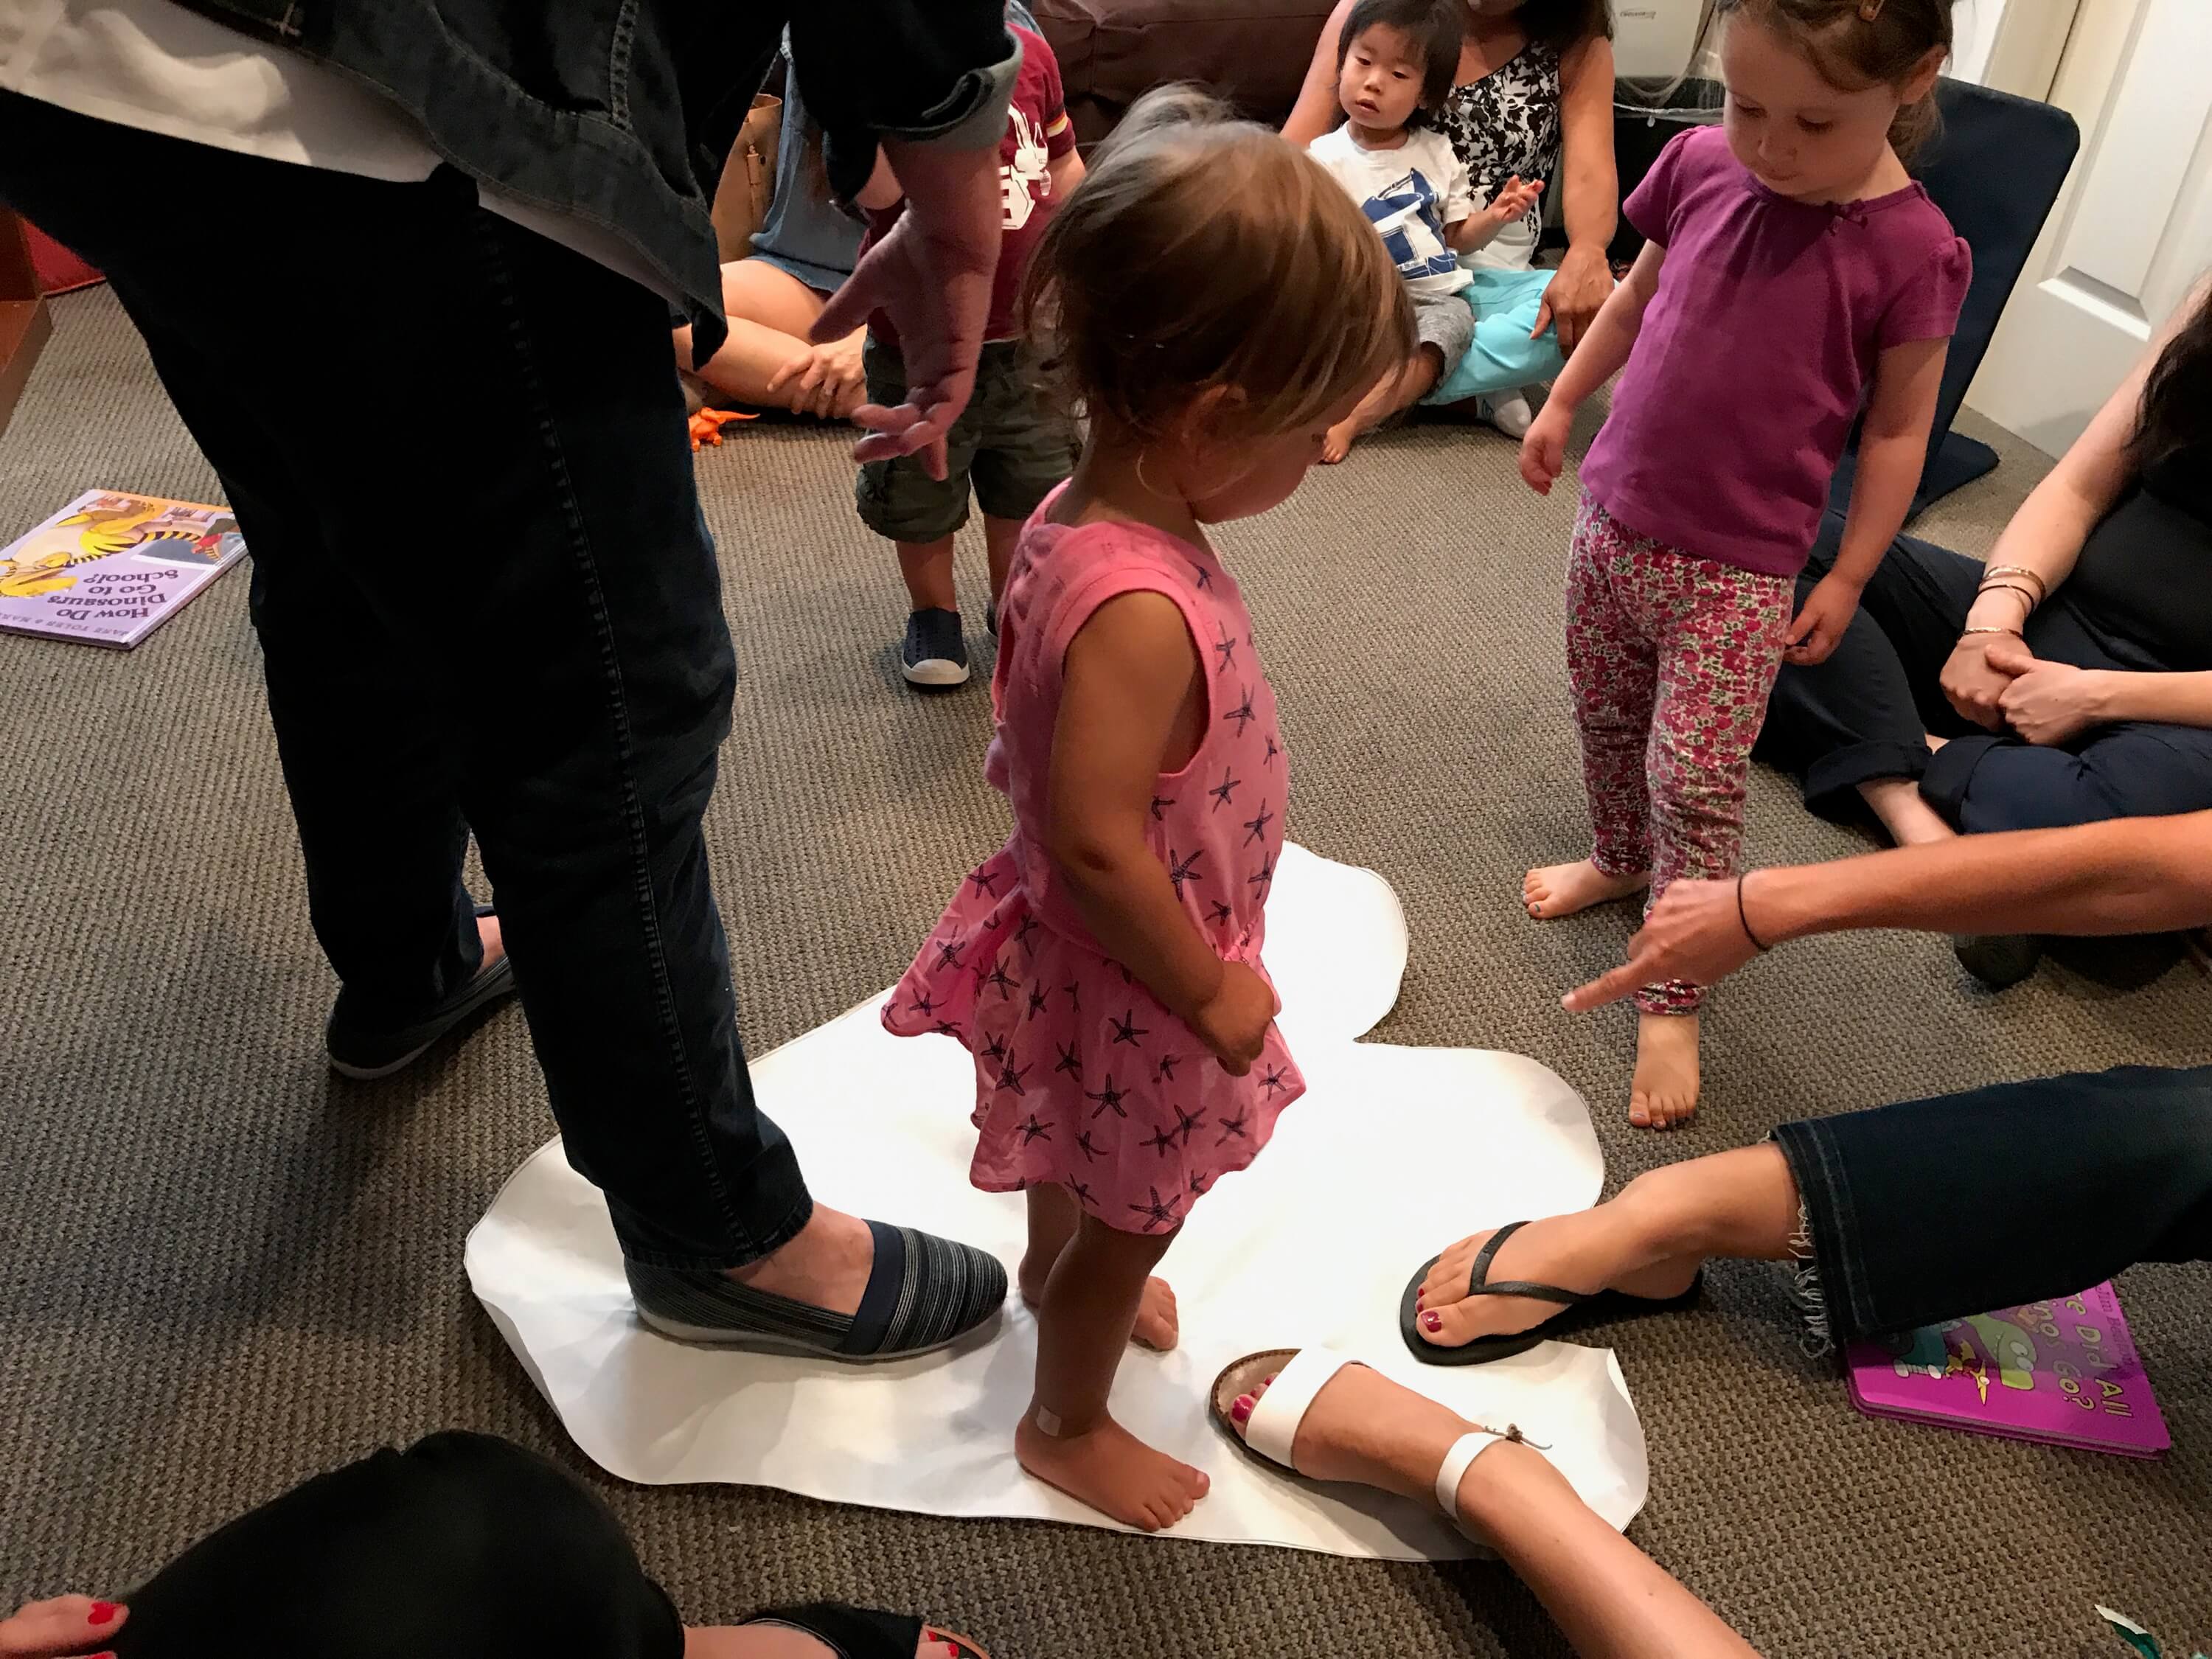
1533, 98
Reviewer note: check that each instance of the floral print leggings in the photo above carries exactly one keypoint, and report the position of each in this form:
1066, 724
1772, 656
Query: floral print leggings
1670, 657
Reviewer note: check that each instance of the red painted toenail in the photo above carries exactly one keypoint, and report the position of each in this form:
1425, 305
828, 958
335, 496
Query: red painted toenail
102, 1613
1242, 1409
1433, 1322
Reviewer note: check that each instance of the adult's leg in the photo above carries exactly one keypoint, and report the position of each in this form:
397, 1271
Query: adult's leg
513, 502
1609, 1599
2135, 769
380, 826
462, 1544
1907, 1214
1934, 1209
1856, 727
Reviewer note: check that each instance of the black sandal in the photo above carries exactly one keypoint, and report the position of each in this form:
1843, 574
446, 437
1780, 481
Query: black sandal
863, 1633
1582, 1311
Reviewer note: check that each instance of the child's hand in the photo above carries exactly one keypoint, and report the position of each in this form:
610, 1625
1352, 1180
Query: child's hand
1544, 450
1513, 200
1233, 1022
1819, 626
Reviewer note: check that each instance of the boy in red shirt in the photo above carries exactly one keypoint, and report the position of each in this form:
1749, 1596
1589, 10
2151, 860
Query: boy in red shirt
1010, 444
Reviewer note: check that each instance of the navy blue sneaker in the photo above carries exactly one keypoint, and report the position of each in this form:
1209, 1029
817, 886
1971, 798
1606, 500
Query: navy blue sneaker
934, 654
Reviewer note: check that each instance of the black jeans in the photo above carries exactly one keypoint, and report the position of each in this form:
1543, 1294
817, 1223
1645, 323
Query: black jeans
486, 601
463, 1546
1864, 714
1935, 1209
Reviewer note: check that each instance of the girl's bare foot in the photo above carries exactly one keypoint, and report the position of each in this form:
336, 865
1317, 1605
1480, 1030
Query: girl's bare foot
1664, 1093
1113, 1471
1590, 1251
1159, 1325
1338, 444
1554, 891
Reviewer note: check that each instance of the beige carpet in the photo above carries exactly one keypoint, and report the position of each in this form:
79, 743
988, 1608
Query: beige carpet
225, 1270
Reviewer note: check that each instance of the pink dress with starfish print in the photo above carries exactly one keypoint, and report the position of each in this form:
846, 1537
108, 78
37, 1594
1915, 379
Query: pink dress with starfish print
1082, 1078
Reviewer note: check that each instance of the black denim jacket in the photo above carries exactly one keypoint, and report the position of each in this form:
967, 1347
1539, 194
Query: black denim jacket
621, 112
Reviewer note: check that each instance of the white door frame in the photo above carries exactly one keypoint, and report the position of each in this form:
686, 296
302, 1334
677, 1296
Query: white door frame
2015, 45
2132, 229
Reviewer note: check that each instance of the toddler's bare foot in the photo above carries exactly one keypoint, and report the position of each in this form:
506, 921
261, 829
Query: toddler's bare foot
1159, 1325
1113, 1471
1338, 444
1665, 1091
1554, 891
1585, 1251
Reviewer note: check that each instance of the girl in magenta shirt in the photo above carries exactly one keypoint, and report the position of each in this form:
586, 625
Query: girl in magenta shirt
1793, 271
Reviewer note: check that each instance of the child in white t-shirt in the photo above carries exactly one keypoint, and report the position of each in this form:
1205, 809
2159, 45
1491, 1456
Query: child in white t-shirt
1396, 60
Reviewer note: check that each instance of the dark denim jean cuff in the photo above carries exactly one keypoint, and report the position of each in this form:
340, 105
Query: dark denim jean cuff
1951, 770
643, 1241
1832, 1288
1831, 782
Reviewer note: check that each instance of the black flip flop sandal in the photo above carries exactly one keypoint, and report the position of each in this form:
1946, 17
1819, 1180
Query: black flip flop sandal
1583, 1311
863, 1633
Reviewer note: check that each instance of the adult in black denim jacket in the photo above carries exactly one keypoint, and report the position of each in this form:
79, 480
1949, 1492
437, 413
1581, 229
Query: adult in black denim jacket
487, 601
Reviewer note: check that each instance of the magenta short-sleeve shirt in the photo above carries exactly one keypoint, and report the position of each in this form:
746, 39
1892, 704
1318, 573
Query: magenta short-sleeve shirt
1758, 350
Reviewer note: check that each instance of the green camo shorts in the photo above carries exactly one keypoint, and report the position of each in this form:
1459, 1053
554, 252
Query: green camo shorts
1009, 442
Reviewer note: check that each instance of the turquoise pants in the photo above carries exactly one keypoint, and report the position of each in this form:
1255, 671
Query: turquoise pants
1503, 356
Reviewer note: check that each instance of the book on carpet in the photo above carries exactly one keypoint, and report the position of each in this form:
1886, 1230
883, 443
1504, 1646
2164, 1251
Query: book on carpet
2065, 1372
109, 568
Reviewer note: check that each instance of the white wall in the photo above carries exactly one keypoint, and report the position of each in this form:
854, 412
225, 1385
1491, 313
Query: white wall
1974, 28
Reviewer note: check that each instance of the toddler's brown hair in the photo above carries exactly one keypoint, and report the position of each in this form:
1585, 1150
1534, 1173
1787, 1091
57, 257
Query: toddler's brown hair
1857, 44
1203, 252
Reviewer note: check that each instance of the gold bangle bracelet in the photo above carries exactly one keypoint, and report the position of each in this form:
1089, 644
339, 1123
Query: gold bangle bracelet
2033, 600
2013, 632
2042, 587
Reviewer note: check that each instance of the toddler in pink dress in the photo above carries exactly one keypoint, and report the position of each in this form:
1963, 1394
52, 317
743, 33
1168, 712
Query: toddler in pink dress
1217, 303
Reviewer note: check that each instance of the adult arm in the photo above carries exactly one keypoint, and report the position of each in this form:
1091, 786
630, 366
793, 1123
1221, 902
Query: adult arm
1317, 108
2125, 876
2046, 534
929, 83
1892, 448
1591, 207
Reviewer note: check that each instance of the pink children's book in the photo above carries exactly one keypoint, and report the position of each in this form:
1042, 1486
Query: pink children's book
2065, 1372
109, 568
